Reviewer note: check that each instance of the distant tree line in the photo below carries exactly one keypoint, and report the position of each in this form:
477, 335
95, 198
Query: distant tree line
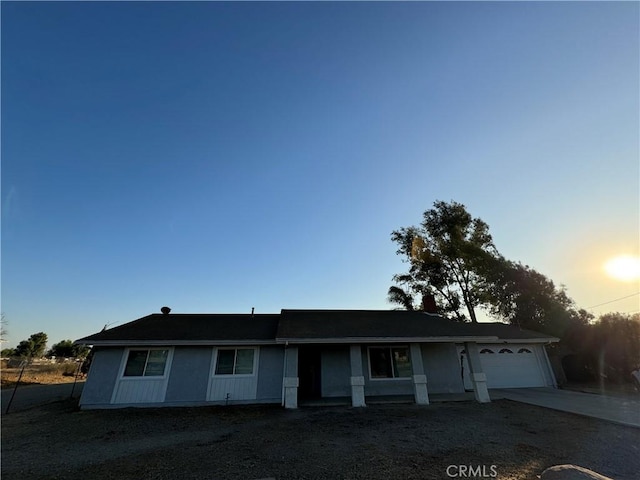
455, 268
36, 347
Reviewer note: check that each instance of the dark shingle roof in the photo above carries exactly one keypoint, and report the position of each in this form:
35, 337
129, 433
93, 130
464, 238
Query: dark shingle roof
182, 328
363, 324
302, 326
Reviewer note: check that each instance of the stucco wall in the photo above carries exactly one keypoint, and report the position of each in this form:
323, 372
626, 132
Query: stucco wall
102, 377
189, 374
442, 367
336, 372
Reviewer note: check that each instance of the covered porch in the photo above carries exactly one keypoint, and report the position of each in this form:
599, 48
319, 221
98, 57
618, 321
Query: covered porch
360, 374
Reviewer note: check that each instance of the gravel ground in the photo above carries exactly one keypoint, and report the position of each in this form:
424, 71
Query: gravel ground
378, 442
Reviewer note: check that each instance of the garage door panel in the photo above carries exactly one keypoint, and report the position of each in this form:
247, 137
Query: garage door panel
508, 370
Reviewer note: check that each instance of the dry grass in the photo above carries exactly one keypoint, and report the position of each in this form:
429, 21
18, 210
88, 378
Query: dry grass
38, 374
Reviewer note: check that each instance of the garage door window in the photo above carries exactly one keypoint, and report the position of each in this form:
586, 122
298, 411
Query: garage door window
524, 350
505, 350
487, 350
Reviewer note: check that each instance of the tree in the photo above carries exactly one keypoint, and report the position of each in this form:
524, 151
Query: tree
447, 255
452, 257
3, 328
8, 352
618, 344
34, 346
608, 348
67, 349
522, 296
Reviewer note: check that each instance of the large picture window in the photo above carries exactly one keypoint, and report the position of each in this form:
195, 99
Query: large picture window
146, 363
236, 361
389, 362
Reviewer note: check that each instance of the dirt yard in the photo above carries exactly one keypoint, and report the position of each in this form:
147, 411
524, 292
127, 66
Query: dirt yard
378, 442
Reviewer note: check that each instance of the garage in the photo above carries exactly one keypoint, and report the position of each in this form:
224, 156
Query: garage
508, 366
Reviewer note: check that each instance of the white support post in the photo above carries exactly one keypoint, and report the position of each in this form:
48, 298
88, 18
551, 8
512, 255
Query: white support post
290, 380
419, 378
290, 392
357, 377
478, 377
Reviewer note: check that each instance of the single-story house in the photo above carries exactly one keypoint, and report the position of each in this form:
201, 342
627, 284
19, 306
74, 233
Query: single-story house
170, 359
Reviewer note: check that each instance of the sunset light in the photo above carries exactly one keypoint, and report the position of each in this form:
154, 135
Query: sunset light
625, 268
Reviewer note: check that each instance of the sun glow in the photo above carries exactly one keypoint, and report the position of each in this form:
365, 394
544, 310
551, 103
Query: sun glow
625, 268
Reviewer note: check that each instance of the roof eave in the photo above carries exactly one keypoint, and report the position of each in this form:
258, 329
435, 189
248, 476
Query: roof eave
526, 340
352, 340
142, 343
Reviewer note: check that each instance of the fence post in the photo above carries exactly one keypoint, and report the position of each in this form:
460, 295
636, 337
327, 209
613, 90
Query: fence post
75, 379
24, 364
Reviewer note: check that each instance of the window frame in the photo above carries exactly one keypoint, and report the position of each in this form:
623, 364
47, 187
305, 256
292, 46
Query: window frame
390, 349
143, 377
254, 365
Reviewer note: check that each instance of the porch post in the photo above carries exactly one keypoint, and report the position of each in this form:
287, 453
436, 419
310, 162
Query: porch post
290, 380
478, 377
419, 377
357, 377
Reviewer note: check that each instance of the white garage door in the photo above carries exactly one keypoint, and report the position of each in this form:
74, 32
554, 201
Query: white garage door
507, 366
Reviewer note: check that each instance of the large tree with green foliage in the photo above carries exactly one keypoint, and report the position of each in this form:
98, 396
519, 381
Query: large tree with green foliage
67, 349
447, 255
606, 349
34, 346
452, 257
520, 295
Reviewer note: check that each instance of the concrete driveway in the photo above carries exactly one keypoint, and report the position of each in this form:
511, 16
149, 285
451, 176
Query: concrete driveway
28, 396
620, 409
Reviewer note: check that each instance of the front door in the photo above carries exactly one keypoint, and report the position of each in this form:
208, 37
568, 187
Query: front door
309, 373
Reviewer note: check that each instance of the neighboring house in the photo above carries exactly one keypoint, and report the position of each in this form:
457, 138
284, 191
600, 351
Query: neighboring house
300, 355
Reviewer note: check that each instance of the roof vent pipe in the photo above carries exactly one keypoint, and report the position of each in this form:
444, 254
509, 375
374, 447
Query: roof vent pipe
165, 310
252, 310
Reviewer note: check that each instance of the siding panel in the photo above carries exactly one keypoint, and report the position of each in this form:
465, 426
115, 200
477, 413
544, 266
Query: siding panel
270, 370
189, 375
238, 388
102, 378
140, 391
442, 367
336, 372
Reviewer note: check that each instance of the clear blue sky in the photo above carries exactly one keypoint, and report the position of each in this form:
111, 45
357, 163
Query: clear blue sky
215, 157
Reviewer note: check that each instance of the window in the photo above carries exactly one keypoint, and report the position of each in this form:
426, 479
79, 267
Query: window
236, 361
389, 362
505, 350
524, 350
486, 350
146, 363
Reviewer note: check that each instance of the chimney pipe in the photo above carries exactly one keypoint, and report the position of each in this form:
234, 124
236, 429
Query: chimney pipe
165, 310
